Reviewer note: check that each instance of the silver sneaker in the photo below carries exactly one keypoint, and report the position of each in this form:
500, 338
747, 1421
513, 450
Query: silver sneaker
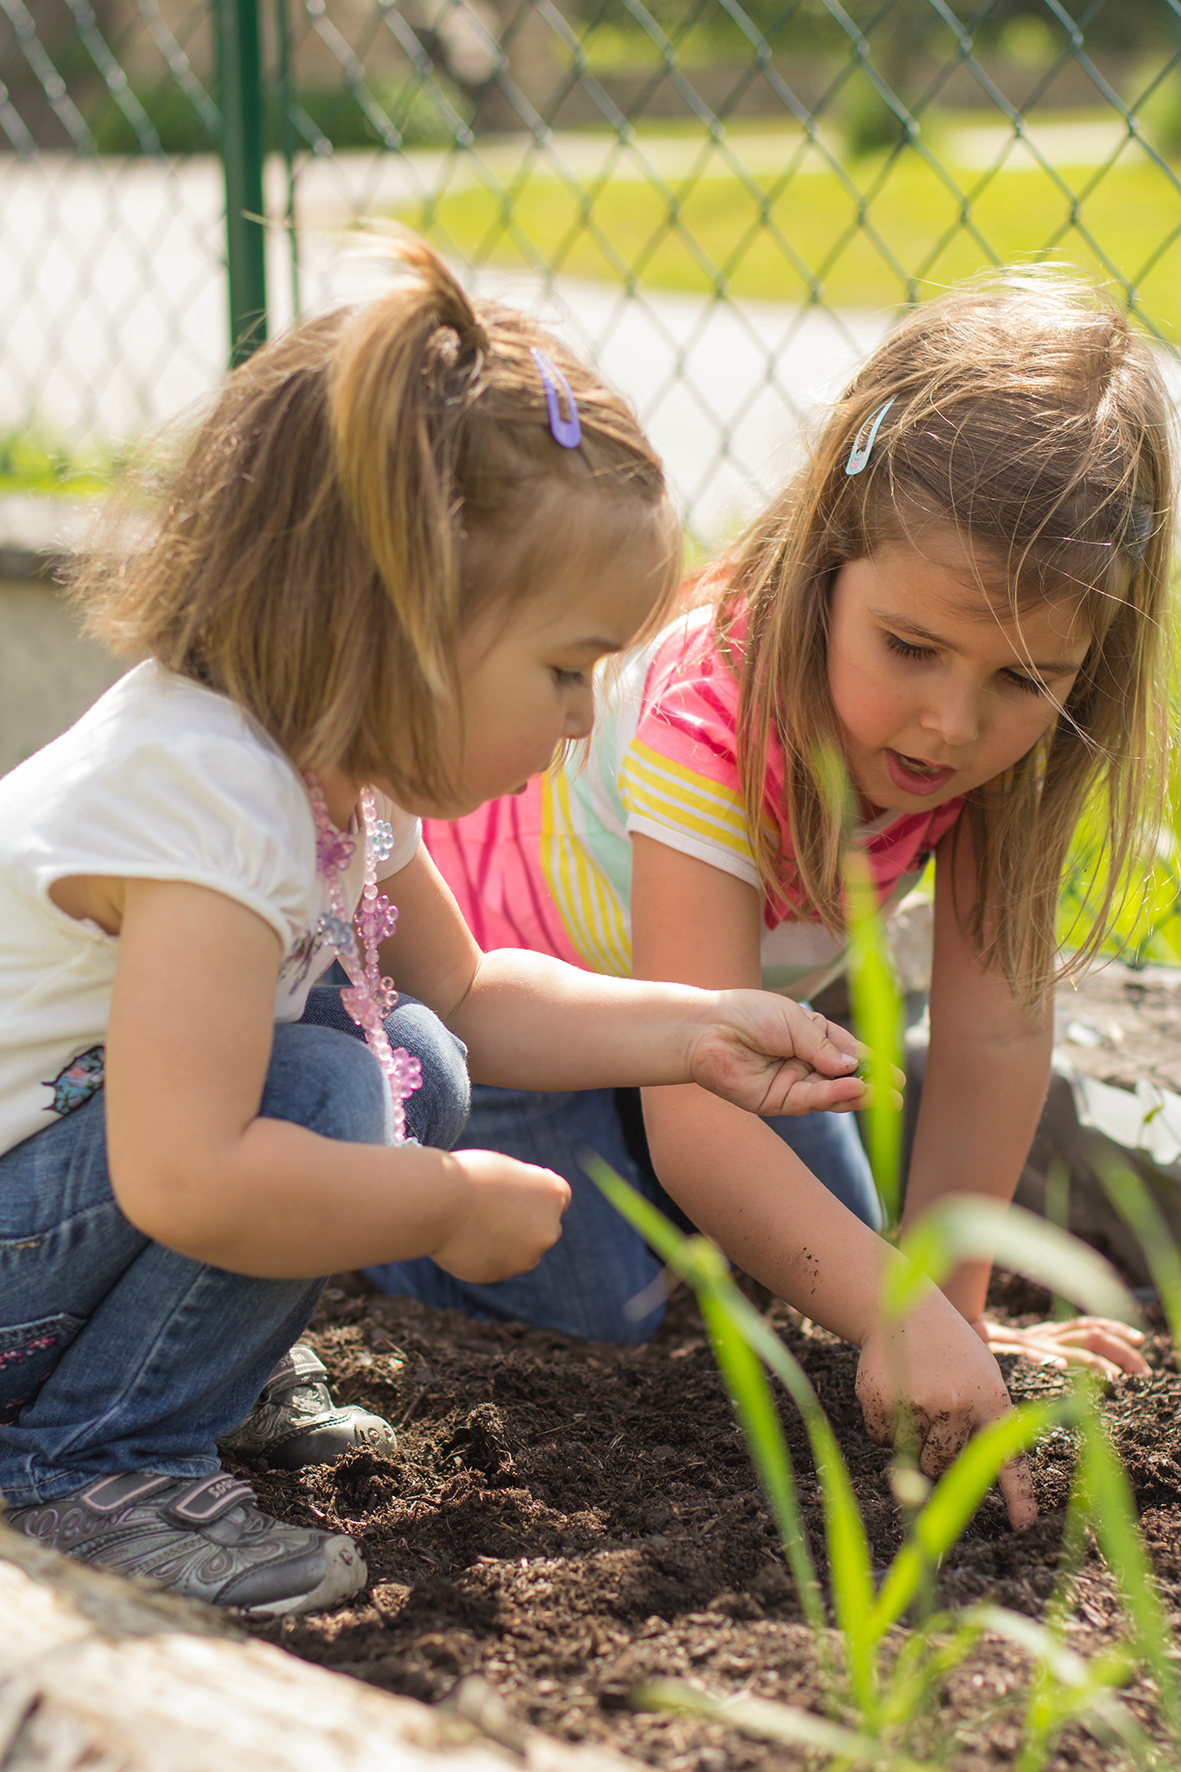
202, 1537
296, 1423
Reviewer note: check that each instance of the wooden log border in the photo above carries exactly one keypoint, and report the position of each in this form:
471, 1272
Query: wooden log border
99, 1674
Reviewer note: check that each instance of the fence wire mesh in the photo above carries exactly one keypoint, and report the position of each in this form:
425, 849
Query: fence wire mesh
726, 203
722, 203
111, 267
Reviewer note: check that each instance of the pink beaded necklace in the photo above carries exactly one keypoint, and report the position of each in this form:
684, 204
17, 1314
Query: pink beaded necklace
368, 997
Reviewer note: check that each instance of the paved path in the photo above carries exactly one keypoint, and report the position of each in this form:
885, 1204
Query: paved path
113, 316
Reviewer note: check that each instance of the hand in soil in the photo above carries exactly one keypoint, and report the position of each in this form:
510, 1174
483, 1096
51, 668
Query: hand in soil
928, 1383
507, 1215
1097, 1343
770, 1056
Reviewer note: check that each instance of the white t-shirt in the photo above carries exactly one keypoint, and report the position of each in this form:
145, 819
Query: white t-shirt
161, 780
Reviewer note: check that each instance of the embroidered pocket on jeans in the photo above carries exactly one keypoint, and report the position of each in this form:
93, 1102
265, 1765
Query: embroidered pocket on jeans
28, 1354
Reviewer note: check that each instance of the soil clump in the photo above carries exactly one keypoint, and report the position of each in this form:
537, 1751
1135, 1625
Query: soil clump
567, 1520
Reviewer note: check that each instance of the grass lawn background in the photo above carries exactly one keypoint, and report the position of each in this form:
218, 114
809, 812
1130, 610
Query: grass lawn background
670, 213
765, 216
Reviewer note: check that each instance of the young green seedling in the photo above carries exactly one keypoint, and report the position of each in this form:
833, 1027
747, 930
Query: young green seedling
744, 1342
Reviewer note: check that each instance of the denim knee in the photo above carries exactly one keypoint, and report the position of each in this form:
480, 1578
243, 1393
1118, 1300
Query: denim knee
320, 1079
115, 1352
437, 1112
597, 1281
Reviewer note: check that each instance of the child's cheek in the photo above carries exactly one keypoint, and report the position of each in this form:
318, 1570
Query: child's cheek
869, 701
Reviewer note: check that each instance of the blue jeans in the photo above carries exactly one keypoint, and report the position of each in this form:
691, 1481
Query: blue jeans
599, 1281
118, 1354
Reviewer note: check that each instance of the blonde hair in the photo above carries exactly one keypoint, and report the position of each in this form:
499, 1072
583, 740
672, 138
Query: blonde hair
1028, 417
341, 512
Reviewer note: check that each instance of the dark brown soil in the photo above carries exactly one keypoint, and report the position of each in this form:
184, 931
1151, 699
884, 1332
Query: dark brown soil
565, 1520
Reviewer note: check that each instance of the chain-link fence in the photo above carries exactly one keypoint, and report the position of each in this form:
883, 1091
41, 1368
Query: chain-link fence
724, 203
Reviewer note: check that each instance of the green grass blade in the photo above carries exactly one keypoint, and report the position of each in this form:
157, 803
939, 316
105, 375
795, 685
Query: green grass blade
1076, 1688
923, 1662
955, 1499
706, 1270
701, 1266
1066, 1665
771, 1721
966, 1227
848, 1547
668, 1242
873, 992
877, 1016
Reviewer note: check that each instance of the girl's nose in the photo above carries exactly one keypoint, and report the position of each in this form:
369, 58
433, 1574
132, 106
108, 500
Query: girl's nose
954, 716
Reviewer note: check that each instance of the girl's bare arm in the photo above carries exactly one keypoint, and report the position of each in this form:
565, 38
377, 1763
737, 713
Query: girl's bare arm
741, 1184
532, 1022
195, 1167
988, 1068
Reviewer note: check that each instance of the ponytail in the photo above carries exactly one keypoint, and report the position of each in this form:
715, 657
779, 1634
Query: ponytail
308, 553
408, 369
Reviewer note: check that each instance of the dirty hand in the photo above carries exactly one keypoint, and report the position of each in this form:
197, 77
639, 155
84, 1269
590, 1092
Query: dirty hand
928, 1382
1097, 1343
507, 1214
770, 1056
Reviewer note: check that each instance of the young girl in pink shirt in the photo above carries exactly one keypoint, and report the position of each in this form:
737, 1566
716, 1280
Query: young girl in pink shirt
962, 592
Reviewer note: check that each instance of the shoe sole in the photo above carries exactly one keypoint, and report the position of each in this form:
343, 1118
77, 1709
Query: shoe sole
344, 1575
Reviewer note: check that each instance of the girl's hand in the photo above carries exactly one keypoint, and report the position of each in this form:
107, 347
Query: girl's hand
770, 1056
508, 1215
1097, 1343
929, 1383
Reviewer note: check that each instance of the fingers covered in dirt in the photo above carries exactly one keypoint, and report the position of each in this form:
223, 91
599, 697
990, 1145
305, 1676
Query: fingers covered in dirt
507, 1215
771, 1056
1097, 1344
929, 1382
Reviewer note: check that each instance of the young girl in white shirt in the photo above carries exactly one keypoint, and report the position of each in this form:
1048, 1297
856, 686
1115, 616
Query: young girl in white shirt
374, 588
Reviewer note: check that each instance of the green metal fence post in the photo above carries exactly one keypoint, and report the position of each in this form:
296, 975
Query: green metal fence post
287, 143
242, 154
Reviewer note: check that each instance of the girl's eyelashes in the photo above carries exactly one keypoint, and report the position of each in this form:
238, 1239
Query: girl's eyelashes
568, 679
903, 649
1029, 684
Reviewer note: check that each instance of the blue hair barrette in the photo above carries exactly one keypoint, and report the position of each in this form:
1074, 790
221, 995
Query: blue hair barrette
864, 440
566, 431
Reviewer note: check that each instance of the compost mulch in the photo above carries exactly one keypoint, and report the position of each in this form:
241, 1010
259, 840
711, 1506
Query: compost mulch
567, 1520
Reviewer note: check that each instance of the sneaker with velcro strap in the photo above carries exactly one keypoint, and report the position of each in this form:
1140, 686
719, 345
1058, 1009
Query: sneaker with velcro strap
295, 1423
201, 1537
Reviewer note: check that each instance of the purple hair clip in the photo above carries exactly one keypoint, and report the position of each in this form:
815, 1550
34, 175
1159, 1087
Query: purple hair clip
566, 431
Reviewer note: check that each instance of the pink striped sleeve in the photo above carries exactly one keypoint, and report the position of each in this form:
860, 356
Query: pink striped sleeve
491, 861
